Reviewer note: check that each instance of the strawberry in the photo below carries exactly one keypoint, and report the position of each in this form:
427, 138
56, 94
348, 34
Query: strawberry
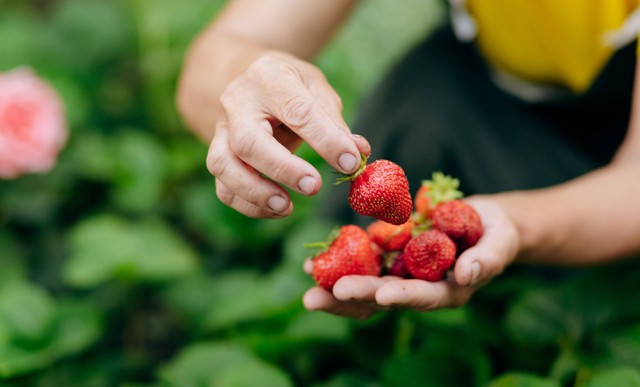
441, 188
381, 190
390, 237
459, 221
429, 255
349, 252
397, 266
422, 200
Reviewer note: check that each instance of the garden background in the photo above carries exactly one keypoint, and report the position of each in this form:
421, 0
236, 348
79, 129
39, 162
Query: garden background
121, 268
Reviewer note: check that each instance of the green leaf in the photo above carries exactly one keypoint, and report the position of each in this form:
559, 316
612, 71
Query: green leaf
106, 247
318, 326
35, 198
252, 374
347, 379
619, 377
92, 156
190, 297
445, 359
613, 347
522, 380
140, 170
19, 39
26, 310
76, 327
84, 34
220, 364
203, 211
543, 316
11, 257
240, 297
576, 307
134, 162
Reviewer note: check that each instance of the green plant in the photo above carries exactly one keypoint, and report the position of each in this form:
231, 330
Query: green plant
120, 267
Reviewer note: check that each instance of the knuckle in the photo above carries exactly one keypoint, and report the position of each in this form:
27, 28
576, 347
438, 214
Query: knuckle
225, 195
280, 172
243, 143
266, 61
265, 70
229, 96
216, 163
297, 112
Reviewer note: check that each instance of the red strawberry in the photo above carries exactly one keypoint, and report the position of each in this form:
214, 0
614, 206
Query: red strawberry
441, 188
422, 201
351, 252
459, 221
398, 266
429, 255
381, 190
390, 237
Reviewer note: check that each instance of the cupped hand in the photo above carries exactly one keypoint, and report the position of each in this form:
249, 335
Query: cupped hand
277, 103
362, 296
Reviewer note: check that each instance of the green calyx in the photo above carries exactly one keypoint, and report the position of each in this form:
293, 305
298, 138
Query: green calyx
421, 224
323, 246
316, 245
442, 188
389, 258
343, 177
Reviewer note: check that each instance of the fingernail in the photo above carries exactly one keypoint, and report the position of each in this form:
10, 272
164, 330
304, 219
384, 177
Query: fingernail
475, 273
347, 162
277, 203
307, 185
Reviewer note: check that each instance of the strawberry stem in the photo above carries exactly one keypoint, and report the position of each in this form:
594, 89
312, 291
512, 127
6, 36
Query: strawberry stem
344, 177
316, 245
324, 245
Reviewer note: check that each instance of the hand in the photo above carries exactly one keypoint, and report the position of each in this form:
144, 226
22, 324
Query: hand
362, 296
277, 103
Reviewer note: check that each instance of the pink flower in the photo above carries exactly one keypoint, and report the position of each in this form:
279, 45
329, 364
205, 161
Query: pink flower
33, 128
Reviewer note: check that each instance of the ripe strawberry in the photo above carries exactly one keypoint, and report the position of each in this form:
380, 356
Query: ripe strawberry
381, 190
429, 255
459, 221
422, 201
390, 237
397, 266
441, 188
351, 252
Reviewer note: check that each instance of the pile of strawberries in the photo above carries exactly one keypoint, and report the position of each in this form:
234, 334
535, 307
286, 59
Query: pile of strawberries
418, 238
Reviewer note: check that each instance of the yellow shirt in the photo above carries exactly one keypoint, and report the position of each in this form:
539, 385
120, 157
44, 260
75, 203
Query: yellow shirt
556, 42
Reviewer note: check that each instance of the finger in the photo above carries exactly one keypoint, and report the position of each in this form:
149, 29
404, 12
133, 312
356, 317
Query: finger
319, 299
308, 266
489, 257
359, 288
250, 138
332, 102
363, 145
422, 295
234, 201
239, 179
321, 127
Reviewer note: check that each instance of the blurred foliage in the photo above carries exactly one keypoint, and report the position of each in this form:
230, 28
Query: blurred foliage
121, 267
